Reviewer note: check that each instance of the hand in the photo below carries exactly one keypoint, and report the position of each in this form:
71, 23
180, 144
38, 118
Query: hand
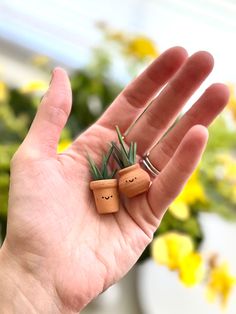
55, 237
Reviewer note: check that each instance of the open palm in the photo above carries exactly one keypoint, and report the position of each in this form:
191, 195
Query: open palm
54, 230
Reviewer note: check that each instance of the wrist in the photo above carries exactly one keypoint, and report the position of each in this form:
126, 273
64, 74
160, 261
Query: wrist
21, 292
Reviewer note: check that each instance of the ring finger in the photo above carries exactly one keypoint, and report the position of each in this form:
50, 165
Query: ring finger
209, 105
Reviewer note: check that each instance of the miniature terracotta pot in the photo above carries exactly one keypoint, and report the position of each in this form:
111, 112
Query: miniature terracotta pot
106, 195
133, 180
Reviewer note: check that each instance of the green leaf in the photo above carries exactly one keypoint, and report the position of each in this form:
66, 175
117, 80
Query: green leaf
109, 154
104, 166
102, 172
125, 160
118, 160
113, 173
134, 152
117, 155
121, 141
130, 154
95, 172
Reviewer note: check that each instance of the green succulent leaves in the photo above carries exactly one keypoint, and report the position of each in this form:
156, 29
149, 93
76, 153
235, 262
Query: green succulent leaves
102, 173
124, 157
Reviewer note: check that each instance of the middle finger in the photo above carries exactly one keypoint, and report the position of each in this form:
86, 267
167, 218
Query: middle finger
158, 117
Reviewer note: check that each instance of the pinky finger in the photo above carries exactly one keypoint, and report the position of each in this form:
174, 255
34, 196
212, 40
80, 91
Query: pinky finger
169, 183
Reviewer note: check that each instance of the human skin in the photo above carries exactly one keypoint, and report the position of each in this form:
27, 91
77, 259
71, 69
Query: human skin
59, 253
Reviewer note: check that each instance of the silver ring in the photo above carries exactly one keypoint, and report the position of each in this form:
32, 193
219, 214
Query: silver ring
149, 166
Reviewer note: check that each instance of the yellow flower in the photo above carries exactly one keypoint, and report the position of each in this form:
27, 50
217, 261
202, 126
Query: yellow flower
170, 248
226, 182
63, 145
191, 269
179, 209
232, 100
220, 284
176, 251
193, 192
40, 60
34, 86
116, 36
233, 195
141, 47
3, 92
230, 173
228, 169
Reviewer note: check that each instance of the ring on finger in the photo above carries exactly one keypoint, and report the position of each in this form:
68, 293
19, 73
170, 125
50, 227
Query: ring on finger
145, 161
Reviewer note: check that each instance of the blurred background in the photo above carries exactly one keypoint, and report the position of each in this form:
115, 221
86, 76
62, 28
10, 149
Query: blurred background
191, 265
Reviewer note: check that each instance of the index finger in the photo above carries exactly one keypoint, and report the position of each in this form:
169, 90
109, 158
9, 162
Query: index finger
135, 97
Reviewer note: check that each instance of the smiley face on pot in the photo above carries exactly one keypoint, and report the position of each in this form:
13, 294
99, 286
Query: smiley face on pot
107, 197
133, 180
107, 200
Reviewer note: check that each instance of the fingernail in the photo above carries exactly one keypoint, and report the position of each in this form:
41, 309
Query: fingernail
41, 99
52, 75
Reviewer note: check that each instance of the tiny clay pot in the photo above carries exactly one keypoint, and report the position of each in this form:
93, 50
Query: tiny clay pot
106, 195
133, 180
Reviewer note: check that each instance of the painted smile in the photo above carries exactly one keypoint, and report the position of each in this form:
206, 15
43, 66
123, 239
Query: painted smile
131, 180
107, 197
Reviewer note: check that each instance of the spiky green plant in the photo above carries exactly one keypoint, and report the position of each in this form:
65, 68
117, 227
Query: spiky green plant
124, 157
102, 172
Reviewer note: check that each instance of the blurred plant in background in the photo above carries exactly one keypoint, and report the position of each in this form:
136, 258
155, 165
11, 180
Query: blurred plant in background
136, 50
212, 187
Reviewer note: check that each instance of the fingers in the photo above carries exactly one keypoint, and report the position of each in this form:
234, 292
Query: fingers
204, 111
130, 103
165, 108
51, 117
168, 184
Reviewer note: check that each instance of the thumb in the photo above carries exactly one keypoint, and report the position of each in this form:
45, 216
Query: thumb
53, 112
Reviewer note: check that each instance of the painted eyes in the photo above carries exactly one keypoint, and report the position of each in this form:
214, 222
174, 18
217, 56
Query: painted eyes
131, 180
107, 197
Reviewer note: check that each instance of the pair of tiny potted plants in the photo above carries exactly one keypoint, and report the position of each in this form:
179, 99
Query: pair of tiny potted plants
132, 179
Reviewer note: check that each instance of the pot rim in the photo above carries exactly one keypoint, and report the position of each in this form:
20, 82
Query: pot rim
103, 184
128, 169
